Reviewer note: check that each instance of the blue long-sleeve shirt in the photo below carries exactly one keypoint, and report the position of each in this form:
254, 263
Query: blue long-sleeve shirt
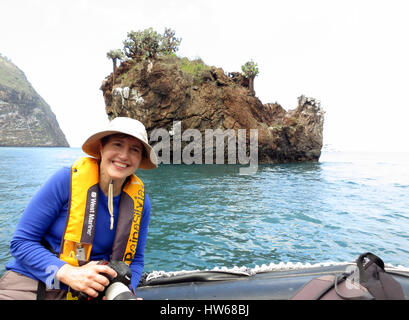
45, 217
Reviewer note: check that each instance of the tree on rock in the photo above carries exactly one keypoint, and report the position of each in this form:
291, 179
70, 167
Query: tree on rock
169, 44
148, 43
142, 44
145, 44
250, 71
115, 55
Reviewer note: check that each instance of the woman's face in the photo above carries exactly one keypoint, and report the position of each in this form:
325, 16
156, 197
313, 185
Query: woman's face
120, 156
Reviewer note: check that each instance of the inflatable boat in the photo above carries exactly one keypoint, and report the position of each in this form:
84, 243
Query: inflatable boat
273, 282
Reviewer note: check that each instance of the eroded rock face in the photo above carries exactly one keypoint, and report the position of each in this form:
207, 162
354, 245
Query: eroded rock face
26, 120
159, 93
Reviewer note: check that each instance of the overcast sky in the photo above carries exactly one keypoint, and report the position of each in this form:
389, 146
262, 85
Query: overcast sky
353, 56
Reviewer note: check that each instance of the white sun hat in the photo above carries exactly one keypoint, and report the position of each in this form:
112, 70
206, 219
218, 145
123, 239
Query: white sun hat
127, 126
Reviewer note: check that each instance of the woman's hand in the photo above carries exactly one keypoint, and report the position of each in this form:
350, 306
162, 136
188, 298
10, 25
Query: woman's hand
87, 278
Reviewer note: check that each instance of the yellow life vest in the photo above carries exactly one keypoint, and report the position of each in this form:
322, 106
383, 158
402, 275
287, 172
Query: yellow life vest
81, 217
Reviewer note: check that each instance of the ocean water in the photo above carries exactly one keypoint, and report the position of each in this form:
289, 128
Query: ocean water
206, 216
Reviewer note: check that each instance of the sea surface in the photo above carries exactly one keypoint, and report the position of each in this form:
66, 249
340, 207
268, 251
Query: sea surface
206, 216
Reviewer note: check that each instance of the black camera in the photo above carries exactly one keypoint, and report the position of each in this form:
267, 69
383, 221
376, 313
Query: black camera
118, 287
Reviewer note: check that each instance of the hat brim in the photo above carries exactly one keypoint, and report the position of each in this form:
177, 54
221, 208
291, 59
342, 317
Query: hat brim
92, 147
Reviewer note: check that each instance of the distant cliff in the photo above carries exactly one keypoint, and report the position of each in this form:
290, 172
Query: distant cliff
26, 120
160, 91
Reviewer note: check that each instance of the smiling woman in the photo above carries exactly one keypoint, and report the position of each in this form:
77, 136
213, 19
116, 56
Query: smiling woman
121, 155
58, 240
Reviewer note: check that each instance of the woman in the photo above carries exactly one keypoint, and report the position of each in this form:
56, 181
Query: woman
60, 238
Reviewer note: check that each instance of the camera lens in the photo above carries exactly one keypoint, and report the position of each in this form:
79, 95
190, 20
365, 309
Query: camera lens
119, 291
